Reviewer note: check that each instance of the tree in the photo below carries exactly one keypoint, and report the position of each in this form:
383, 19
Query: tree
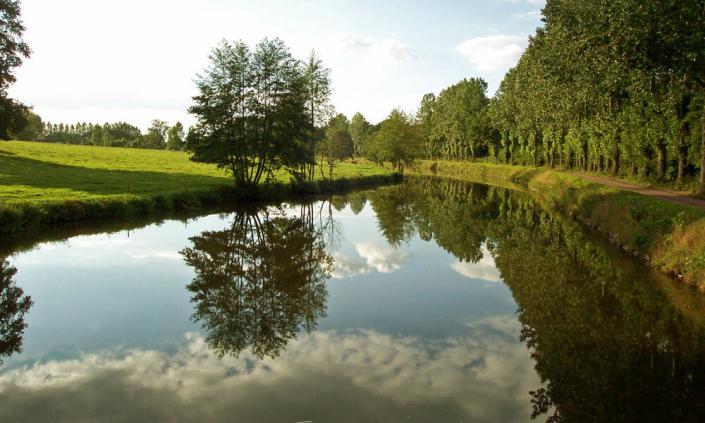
33, 129
175, 137
13, 50
251, 111
96, 135
360, 130
426, 117
337, 147
156, 136
461, 119
396, 141
318, 108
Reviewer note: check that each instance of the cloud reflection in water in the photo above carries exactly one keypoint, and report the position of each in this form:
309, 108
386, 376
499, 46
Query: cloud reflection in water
324, 375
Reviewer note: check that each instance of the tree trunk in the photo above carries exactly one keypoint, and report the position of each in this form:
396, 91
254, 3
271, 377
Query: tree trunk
661, 159
682, 160
701, 186
616, 163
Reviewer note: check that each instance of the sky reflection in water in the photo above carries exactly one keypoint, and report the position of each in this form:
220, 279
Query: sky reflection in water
408, 333
320, 313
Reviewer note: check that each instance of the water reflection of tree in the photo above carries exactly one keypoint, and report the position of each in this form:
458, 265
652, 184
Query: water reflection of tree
259, 282
607, 342
13, 307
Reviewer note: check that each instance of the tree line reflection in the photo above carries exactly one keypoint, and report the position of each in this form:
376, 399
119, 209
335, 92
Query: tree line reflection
608, 342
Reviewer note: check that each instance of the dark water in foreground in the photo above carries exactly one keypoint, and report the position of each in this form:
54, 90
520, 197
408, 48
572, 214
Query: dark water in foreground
434, 300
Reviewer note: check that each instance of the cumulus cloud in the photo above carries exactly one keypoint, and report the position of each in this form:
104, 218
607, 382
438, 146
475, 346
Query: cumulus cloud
485, 269
371, 256
387, 49
326, 375
493, 53
346, 266
384, 259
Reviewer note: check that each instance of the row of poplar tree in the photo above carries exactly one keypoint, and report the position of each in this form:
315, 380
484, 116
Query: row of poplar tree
604, 85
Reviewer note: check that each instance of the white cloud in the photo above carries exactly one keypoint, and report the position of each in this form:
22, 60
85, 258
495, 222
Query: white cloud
387, 49
372, 256
485, 377
493, 53
485, 269
347, 267
384, 259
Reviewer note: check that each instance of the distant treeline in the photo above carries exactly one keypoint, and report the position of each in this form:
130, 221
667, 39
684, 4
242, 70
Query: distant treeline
119, 134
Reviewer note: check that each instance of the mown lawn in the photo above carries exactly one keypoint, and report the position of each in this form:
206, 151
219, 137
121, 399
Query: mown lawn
42, 172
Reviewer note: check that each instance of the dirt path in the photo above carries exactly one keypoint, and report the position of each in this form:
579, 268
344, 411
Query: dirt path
664, 195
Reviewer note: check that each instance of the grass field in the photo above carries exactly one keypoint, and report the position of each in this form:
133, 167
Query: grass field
42, 172
43, 183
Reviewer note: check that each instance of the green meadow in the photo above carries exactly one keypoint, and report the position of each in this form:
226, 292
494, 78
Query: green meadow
43, 172
44, 184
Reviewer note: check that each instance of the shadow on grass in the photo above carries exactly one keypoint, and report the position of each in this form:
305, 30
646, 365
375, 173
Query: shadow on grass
39, 174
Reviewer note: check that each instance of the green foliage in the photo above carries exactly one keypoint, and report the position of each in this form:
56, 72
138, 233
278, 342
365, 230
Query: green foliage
397, 141
254, 111
337, 146
456, 123
13, 51
609, 86
360, 132
33, 128
155, 137
175, 137
119, 134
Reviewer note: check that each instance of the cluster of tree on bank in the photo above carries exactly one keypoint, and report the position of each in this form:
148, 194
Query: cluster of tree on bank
395, 140
259, 110
119, 134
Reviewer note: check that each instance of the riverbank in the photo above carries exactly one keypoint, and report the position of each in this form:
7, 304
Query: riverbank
667, 235
47, 184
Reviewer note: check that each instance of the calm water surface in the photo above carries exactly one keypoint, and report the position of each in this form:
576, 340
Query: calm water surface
433, 300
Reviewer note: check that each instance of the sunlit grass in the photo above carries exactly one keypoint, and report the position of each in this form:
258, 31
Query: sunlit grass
43, 172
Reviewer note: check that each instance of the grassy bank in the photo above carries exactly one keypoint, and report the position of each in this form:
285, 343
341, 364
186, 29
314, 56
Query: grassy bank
670, 236
45, 184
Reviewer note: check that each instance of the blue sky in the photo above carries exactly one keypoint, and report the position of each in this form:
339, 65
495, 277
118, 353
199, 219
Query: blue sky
108, 60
